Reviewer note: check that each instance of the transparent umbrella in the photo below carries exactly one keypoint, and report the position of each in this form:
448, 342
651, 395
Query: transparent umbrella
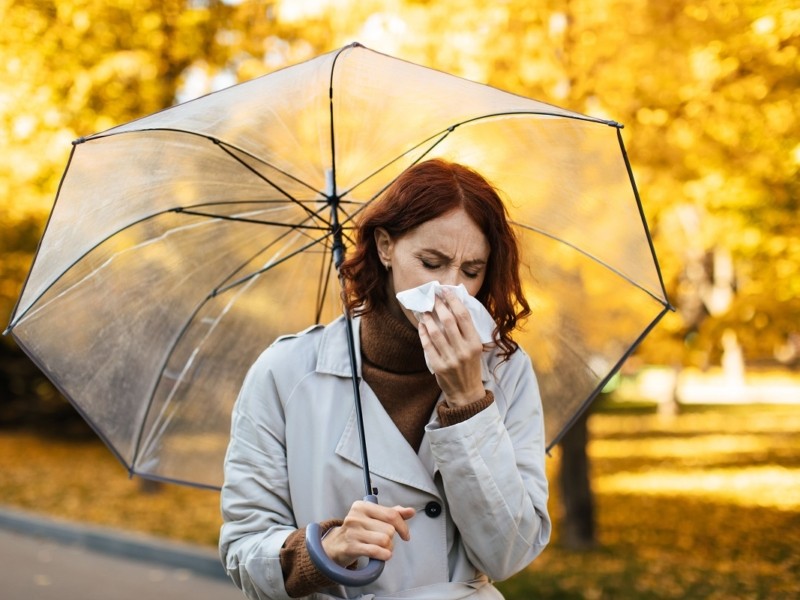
181, 244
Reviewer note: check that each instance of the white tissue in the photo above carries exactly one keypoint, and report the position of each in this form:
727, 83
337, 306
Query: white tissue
420, 300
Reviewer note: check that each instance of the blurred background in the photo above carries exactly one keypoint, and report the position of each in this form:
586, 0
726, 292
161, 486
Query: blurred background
683, 481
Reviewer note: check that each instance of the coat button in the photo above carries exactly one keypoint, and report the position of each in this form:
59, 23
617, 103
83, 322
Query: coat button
433, 509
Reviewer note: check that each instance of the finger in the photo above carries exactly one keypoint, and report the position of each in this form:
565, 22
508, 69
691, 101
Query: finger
370, 516
431, 335
396, 517
455, 322
377, 539
446, 317
373, 510
346, 544
384, 519
422, 330
432, 355
369, 537
371, 546
461, 313
401, 527
405, 511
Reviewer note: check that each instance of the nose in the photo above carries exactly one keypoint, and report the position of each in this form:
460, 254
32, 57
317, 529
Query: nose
450, 277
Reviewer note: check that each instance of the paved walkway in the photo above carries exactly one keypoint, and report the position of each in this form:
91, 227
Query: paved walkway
43, 559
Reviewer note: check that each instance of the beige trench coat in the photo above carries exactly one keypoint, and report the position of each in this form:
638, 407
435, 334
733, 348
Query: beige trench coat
294, 458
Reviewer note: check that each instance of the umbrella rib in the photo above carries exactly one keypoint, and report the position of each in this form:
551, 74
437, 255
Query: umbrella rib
586, 403
543, 113
14, 317
210, 138
296, 227
595, 259
198, 213
271, 265
80, 410
35, 301
35, 307
441, 135
642, 216
332, 189
226, 147
142, 442
290, 227
263, 177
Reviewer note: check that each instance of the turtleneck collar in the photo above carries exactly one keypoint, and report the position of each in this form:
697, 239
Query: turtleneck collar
391, 343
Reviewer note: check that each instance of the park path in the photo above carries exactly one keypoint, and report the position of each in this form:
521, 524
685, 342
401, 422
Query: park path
43, 559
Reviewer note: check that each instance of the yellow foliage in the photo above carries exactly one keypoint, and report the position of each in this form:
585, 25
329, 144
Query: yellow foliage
706, 88
82, 482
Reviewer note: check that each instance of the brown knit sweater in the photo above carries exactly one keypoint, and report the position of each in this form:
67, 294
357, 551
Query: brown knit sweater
393, 364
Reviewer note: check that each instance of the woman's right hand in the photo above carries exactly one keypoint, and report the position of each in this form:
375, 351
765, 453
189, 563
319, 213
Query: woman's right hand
368, 530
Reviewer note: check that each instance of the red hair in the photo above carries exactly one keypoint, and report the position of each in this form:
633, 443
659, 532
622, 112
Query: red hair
422, 193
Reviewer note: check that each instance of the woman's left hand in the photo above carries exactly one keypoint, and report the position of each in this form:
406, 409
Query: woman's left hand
453, 348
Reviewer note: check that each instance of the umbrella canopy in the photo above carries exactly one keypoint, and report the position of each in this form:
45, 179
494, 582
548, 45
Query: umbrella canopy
181, 244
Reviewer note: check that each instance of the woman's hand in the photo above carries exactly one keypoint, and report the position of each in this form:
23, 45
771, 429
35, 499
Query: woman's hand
453, 348
368, 530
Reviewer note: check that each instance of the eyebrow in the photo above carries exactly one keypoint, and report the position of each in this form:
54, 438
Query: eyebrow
474, 262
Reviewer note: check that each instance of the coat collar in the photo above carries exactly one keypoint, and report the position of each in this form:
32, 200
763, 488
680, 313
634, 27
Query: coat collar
333, 357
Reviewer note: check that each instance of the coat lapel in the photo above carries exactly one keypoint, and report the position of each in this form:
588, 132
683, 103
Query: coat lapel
390, 455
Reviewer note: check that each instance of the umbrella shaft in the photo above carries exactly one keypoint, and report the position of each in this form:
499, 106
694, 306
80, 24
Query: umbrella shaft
357, 398
337, 250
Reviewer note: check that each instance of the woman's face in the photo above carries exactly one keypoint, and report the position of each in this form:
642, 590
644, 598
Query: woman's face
450, 249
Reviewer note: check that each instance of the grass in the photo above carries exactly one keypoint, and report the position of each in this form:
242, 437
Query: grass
705, 504
79, 480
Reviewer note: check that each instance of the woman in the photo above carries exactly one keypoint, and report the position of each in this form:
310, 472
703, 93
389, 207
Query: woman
455, 429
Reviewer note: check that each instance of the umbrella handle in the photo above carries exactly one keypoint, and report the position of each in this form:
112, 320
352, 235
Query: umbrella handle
331, 569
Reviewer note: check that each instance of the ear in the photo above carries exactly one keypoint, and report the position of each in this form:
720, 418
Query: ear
384, 245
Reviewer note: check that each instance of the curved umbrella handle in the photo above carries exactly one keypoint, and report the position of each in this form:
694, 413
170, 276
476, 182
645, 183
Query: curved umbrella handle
331, 569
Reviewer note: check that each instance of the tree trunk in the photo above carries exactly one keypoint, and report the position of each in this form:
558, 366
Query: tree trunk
577, 503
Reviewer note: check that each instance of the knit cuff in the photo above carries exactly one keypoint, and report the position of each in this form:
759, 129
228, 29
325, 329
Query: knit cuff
456, 414
300, 576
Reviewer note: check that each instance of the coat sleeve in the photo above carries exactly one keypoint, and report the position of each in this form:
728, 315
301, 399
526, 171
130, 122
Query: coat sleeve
493, 472
255, 504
